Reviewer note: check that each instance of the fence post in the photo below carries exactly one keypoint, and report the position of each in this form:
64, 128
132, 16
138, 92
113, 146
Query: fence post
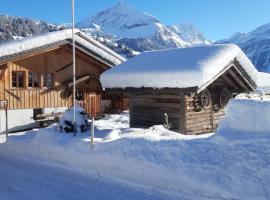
92, 125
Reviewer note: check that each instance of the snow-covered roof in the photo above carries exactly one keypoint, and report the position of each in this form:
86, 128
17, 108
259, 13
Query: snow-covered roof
177, 68
48, 39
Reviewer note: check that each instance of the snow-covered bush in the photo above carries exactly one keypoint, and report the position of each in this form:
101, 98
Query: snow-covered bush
66, 122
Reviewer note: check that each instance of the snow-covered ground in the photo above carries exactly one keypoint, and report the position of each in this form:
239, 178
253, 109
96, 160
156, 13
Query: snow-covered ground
22, 180
227, 165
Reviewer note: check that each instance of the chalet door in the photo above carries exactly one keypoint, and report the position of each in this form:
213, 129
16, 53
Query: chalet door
90, 101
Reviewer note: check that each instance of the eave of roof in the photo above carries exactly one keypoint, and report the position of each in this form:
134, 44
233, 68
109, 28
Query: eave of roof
83, 42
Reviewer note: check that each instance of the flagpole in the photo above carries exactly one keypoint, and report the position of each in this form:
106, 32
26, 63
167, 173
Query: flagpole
74, 68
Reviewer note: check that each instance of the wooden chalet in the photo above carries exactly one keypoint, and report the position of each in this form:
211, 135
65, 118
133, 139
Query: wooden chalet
185, 89
36, 73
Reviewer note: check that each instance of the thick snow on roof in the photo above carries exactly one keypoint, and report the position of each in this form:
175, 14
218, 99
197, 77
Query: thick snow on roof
29, 43
176, 68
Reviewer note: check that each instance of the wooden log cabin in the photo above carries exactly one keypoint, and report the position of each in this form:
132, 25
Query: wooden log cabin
188, 86
36, 75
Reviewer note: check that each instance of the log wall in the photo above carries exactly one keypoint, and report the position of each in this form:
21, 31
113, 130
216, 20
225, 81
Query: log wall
147, 110
199, 122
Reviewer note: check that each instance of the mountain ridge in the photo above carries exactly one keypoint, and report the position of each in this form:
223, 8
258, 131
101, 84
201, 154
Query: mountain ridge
256, 45
139, 31
12, 28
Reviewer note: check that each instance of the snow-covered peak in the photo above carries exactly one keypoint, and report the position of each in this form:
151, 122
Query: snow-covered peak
189, 33
124, 27
123, 20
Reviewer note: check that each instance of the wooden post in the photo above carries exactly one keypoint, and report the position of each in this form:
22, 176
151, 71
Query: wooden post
166, 121
6, 110
92, 125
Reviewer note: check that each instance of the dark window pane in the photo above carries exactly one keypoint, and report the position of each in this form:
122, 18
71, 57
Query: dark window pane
49, 80
30, 79
20, 79
14, 79
45, 80
35, 77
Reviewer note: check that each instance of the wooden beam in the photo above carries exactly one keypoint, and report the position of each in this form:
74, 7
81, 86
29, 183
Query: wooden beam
229, 81
88, 58
215, 77
150, 90
238, 80
244, 78
84, 78
66, 66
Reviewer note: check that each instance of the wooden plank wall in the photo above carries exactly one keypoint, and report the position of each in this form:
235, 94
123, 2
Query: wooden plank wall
91, 99
147, 110
204, 121
49, 61
20, 98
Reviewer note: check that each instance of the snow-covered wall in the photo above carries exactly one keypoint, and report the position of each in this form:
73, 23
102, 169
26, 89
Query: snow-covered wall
22, 119
17, 120
247, 116
57, 109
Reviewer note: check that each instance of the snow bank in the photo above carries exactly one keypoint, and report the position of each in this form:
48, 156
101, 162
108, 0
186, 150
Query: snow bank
263, 82
247, 114
197, 167
176, 68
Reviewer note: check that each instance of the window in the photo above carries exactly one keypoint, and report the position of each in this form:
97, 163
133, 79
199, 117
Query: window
18, 79
33, 80
48, 80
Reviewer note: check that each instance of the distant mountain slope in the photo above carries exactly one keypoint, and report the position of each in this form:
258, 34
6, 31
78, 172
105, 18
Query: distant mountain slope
136, 31
12, 28
256, 44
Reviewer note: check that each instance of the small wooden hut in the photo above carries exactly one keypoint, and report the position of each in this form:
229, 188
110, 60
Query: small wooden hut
36, 75
189, 86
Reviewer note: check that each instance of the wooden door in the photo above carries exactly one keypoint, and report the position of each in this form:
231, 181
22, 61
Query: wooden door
90, 100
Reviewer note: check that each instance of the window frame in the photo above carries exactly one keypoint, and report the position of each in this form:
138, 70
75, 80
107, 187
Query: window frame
34, 77
17, 81
45, 80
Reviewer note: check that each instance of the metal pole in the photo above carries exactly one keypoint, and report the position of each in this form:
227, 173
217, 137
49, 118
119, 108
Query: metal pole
92, 130
74, 68
93, 114
6, 110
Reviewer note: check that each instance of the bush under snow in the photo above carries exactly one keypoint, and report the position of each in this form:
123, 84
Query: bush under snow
67, 122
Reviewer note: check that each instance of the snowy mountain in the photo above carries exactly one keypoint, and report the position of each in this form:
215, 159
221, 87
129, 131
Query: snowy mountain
136, 31
189, 33
12, 28
256, 44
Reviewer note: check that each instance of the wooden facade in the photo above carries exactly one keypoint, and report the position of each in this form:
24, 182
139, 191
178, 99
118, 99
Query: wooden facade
186, 112
56, 61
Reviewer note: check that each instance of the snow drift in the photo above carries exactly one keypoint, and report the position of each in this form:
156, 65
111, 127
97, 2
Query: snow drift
247, 114
193, 167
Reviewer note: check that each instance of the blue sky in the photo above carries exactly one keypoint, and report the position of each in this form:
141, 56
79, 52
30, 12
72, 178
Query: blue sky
217, 19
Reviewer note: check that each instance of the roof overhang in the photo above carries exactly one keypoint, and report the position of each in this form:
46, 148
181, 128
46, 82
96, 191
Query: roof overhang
83, 43
237, 72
